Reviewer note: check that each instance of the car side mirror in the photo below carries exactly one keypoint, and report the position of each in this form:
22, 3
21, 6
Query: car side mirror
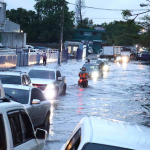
41, 134
59, 78
36, 101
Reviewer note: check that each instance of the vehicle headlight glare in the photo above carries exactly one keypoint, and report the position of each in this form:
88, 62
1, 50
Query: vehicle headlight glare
95, 75
124, 59
50, 86
105, 67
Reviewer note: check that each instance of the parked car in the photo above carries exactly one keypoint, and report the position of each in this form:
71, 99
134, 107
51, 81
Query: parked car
93, 70
20, 78
16, 129
94, 133
49, 81
145, 56
29, 47
33, 100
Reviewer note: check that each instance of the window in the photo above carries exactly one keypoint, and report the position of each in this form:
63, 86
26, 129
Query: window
15, 128
59, 74
94, 33
93, 146
43, 74
2, 134
26, 127
23, 80
8, 79
26, 80
81, 32
37, 94
75, 141
21, 96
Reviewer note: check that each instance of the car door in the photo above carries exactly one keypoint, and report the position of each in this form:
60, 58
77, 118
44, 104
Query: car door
35, 109
22, 131
44, 105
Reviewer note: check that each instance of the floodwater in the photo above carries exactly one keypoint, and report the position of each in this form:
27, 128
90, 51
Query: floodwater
122, 94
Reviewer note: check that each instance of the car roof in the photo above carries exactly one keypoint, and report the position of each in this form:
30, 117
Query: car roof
45, 69
11, 73
15, 86
115, 133
4, 106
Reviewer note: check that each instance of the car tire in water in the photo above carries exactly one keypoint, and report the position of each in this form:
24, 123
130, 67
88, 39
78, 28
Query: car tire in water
47, 122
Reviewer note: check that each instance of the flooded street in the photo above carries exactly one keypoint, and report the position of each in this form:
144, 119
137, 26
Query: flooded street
122, 94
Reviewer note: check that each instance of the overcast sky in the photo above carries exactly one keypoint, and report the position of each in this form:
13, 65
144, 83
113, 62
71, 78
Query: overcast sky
90, 13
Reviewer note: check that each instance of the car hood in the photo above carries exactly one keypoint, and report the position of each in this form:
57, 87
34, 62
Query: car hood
91, 71
41, 81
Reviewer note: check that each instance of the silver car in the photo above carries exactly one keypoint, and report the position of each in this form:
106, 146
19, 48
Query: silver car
34, 101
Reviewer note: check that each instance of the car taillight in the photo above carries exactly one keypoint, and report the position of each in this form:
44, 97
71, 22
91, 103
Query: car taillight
80, 80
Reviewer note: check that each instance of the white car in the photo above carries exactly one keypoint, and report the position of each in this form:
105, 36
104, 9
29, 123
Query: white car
16, 129
49, 81
29, 47
15, 77
33, 100
94, 133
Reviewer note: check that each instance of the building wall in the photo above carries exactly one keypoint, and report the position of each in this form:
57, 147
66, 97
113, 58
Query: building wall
2, 15
12, 39
11, 26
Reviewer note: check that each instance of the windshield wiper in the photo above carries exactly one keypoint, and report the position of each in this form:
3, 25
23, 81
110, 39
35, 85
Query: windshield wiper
11, 97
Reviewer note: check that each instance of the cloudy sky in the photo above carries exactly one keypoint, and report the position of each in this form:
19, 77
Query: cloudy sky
98, 16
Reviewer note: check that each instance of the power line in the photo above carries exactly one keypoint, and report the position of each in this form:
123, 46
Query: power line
108, 9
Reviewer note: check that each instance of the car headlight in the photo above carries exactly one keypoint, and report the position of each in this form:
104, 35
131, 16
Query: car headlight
118, 58
124, 59
95, 75
50, 94
50, 86
105, 67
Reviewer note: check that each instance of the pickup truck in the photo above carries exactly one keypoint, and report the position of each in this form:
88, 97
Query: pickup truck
16, 129
49, 81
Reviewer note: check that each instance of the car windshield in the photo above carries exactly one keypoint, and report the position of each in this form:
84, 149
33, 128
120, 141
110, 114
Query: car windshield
43, 74
91, 67
21, 96
93, 146
10, 79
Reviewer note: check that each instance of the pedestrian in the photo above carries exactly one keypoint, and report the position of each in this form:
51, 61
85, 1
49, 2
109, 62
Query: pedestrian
44, 59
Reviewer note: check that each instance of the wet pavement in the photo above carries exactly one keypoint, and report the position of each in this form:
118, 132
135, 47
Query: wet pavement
122, 94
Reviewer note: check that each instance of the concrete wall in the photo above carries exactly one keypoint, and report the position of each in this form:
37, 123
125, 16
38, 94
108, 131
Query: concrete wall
12, 39
13, 60
11, 26
2, 15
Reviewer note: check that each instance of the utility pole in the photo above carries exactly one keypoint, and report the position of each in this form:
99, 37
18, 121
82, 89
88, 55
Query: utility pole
61, 32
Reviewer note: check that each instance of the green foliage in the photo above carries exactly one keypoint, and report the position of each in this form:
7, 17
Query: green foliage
120, 33
44, 24
85, 24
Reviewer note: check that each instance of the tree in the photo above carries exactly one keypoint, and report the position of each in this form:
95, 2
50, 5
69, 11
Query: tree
80, 5
85, 24
43, 25
119, 33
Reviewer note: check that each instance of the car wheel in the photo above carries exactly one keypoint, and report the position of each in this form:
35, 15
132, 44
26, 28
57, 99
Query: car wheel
64, 89
47, 122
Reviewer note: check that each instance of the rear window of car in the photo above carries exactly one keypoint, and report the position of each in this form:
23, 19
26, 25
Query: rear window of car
10, 79
93, 146
42, 74
99, 61
2, 134
19, 95
91, 67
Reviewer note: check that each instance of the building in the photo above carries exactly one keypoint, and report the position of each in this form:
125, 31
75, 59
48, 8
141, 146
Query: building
10, 35
93, 37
